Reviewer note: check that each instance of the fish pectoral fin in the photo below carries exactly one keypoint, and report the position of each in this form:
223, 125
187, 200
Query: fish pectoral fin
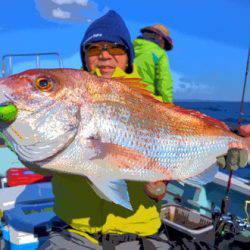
112, 190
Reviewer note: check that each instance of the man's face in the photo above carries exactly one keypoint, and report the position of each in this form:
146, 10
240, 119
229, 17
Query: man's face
106, 56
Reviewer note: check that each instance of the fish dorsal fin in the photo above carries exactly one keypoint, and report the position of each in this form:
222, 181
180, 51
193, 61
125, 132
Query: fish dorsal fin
132, 82
206, 118
137, 85
140, 87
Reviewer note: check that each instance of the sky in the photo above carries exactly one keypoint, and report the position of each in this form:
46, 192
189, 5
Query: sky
211, 38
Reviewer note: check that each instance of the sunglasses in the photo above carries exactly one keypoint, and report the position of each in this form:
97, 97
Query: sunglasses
114, 49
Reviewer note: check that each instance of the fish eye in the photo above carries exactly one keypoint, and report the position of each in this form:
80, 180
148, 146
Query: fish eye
44, 84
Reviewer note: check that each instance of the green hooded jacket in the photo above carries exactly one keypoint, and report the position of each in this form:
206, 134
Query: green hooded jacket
152, 65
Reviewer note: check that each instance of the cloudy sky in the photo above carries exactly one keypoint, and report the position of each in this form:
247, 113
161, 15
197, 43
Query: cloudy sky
211, 37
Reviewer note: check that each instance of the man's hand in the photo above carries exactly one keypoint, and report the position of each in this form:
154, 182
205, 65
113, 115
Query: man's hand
244, 130
235, 158
156, 190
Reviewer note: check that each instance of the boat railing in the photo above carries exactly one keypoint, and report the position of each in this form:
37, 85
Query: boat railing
7, 60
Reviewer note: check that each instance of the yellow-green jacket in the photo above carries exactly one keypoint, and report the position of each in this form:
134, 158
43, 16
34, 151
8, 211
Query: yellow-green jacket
77, 204
153, 67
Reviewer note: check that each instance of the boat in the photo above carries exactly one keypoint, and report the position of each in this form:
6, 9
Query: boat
27, 213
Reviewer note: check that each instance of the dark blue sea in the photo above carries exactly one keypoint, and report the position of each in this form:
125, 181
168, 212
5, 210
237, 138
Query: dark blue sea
227, 112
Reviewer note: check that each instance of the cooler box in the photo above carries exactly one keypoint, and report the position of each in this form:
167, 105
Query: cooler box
26, 226
27, 215
15, 240
182, 222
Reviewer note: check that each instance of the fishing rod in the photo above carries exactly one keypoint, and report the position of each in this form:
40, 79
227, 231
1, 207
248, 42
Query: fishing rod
225, 201
244, 90
224, 223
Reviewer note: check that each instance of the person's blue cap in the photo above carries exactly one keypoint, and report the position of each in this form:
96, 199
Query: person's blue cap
109, 28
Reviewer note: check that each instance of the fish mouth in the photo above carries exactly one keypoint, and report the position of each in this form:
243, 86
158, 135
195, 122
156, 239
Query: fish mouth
33, 148
20, 137
8, 112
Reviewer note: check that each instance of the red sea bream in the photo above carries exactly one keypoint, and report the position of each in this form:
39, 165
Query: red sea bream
108, 130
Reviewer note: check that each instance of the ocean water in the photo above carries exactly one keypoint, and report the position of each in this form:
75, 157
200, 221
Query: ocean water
227, 112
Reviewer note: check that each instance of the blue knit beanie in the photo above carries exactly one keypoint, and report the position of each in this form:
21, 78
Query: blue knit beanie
108, 28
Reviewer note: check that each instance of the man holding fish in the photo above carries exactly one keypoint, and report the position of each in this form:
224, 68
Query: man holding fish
104, 139
107, 51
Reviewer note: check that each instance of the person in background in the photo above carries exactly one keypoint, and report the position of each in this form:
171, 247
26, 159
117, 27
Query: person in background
92, 222
152, 62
